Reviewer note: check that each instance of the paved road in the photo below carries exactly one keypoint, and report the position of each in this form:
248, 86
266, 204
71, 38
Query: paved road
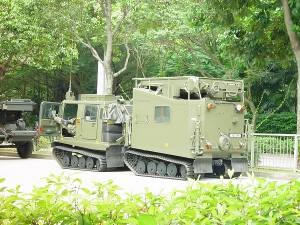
28, 173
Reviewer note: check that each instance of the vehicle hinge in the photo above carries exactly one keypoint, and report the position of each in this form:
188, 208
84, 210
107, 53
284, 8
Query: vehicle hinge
197, 141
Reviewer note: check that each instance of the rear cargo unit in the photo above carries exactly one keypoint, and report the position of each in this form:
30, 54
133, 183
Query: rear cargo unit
185, 126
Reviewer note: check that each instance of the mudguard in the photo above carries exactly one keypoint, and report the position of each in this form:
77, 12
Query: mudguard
239, 164
114, 156
203, 165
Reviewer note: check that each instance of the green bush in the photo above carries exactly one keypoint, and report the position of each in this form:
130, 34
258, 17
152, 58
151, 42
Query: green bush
43, 142
284, 122
62, 200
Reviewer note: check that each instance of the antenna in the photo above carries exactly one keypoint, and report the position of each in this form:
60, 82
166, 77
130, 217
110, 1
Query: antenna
70, 81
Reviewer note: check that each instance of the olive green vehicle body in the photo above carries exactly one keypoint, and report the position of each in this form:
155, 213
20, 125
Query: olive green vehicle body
88, 132
170, 116
179, 126
13, 130
88, 137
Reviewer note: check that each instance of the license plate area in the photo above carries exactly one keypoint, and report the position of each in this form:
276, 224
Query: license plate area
235, 135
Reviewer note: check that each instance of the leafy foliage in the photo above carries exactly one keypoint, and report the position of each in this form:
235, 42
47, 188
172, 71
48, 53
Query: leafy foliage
284, 122
41, 46
62, 200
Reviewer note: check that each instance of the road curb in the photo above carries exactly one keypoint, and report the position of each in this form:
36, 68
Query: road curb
280, 175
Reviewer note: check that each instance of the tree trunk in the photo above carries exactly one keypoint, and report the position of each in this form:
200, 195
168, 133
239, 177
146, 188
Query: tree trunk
109, 78
295, 43
2, 72
101, 79
109, 45
253, 110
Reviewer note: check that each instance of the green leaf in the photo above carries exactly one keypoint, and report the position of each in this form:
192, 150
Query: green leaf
84, 220
146, 219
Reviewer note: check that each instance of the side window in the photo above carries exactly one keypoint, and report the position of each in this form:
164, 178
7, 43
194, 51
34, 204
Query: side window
90, 113
70, 111
162, 114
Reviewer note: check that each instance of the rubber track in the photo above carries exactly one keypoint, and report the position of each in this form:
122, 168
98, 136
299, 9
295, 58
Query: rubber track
87, 153
187, 164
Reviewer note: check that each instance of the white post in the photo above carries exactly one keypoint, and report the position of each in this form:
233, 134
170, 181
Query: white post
101, 86
295, 153
252, 153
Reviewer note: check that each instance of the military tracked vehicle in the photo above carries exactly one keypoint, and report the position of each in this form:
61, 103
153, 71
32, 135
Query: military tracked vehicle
88, 131
185, 127
13, 130
175, 128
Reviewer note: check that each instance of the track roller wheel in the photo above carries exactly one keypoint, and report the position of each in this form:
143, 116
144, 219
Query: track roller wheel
81, 162
183, 171
161, 169
100, 165
89, 163
74, 161
65, 160
172, 170
151, 167
141, 167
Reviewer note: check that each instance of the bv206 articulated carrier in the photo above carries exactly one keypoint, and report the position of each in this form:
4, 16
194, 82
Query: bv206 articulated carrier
186, 126
13, 130
173, 128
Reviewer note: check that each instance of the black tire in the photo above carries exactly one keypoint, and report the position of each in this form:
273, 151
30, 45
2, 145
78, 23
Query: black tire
25, 150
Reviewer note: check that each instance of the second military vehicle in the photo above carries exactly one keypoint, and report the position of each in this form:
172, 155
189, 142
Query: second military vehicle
185, 127
88, 129
13, 130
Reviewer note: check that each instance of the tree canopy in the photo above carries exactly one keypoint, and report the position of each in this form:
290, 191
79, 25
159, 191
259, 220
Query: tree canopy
43, 42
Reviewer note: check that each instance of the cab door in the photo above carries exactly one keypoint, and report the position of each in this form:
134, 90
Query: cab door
89, 125
47, 126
